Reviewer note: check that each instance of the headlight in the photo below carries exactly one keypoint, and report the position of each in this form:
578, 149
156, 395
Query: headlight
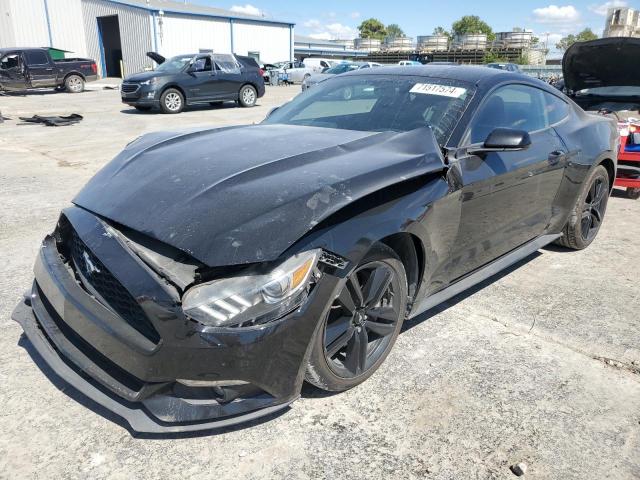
252, 299
151, 81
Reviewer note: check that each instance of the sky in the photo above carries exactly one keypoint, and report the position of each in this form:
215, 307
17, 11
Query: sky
331, 19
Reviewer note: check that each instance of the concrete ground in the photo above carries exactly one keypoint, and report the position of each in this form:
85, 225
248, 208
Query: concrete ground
540, 365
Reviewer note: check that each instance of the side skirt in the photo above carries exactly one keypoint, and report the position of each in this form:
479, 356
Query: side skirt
483, 273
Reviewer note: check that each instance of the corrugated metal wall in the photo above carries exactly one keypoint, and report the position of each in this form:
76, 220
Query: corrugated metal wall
7, 34
179, 34
29, 23
67, 27
135, 33
271, 40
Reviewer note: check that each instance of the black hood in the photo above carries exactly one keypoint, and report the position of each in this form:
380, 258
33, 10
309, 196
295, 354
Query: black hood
144, 76
156, 57
246, 194
607, 62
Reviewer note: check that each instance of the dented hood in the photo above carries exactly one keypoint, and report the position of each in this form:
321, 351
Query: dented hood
606, 62
245, 194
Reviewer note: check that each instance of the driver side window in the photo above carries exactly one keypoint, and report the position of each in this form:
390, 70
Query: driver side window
9, 62
203, 64
513, 106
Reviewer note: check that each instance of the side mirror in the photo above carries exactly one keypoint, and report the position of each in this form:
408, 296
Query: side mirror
504, 139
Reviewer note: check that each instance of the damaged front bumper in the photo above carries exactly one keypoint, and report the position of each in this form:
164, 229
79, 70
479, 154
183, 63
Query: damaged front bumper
184, 377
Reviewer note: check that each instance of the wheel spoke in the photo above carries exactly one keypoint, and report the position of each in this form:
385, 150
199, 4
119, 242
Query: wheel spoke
382, 313
382, 329
596, 215
346, 300
585, 225
340, 341
353, 284
376, 285
356, 354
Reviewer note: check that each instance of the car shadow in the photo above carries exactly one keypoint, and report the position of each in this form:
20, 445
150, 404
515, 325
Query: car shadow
90, 404
30, 93
620, 193
191, 108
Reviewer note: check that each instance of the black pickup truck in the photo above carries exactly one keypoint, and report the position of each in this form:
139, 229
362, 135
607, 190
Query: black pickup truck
26, 68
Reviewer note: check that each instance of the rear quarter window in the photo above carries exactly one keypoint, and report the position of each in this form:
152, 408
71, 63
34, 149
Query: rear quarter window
556, 109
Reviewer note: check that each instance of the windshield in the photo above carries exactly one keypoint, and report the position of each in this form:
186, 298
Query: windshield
379, 103
346, 67
611, 91
174, 64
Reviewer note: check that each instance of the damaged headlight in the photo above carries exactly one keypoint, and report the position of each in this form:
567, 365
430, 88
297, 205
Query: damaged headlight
252, 299
151, 81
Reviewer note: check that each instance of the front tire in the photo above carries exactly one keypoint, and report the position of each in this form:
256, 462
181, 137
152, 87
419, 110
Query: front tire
588, 213
171, 101
362, 324
74, 84
247, 96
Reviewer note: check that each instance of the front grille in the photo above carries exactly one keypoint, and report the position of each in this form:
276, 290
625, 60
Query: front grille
108, 287
129, 87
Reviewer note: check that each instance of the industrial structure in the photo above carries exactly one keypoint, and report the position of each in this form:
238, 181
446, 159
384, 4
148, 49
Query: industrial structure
119, 33
622, 22
515, 46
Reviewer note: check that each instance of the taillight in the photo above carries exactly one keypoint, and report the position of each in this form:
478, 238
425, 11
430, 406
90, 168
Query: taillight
94, 67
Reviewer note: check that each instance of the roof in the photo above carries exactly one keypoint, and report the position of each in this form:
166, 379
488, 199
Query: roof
172, 6
315, 41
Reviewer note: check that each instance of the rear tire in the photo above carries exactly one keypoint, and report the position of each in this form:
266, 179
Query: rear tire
588, 213
74, 84
360, 328
171, 101
247, 96
633, 193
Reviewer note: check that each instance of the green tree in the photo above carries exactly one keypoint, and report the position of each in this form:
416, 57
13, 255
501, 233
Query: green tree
394, 30
472, 24
372, 28
584, 36
491, 57
441, 31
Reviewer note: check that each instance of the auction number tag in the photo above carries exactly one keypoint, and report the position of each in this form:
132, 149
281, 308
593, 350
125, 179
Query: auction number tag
435, 89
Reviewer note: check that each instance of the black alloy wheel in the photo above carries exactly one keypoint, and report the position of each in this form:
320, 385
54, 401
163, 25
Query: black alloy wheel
593, 208
362, 324
588, 212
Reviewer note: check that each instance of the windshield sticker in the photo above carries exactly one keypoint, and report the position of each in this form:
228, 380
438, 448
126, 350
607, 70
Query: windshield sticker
435, 89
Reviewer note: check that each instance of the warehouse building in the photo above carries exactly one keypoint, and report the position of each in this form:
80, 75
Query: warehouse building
118, 33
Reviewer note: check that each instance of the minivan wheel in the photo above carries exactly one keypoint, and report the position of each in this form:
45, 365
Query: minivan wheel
172, 101
248, 96
74, 84
588, 213
362, 324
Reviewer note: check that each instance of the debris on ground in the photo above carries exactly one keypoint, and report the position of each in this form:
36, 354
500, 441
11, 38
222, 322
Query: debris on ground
54, 121
519, 469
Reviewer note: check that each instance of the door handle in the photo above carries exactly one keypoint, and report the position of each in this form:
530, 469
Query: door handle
49, 69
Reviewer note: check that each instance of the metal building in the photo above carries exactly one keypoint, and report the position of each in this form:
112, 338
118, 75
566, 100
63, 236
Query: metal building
118, 33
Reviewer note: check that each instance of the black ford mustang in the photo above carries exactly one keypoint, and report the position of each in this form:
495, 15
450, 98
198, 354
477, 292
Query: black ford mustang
194, 284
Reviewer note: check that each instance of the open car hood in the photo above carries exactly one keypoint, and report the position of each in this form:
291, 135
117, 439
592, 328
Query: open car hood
240, 195
156, 57
606, 62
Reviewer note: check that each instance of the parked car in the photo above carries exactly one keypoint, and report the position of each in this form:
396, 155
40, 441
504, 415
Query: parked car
343, 67
195, 284
409, 63
509, 67
603, 76
28, 68
194, 80
319, 64
296, 72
